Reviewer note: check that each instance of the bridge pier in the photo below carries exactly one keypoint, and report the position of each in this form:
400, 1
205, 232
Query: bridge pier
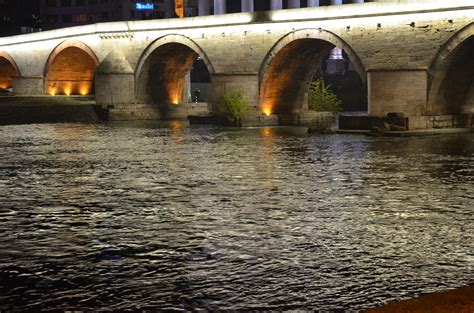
115, 81
397, 91
246, 83
28, 85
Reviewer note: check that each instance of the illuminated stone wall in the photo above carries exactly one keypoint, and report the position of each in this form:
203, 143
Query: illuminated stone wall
288, 75
7, 71
71, 73
162, 78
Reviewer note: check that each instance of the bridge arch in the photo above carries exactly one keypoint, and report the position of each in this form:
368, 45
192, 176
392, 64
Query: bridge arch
451, 83
160, 75
8, 70
288, 68
70, 69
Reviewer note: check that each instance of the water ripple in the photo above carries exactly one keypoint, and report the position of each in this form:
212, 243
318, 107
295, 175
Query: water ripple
146, 217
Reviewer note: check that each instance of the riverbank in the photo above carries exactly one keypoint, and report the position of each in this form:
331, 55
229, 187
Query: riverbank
80, 109
453, 301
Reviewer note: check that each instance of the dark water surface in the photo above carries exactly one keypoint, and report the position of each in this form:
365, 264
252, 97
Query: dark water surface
123, 216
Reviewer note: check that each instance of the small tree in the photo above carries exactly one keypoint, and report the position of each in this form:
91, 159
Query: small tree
322, 99
234, 106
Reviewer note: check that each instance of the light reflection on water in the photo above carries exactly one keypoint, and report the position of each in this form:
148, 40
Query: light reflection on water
156, 216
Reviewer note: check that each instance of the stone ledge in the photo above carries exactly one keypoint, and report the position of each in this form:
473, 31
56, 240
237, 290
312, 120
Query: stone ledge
46, 100
59, 113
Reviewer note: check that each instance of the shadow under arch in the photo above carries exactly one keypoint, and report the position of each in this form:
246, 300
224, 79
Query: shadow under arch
288, 68
70, 69
162, 68
8, 70
450, 75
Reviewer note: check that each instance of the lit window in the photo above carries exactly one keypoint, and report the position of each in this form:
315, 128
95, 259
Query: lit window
81, 18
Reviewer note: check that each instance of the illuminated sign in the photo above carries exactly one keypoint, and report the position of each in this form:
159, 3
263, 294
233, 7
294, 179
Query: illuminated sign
140, 6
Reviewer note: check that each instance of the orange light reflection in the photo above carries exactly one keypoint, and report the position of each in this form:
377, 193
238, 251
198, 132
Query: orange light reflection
267, 132
176, 125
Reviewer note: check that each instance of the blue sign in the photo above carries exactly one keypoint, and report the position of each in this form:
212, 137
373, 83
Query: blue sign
140, 6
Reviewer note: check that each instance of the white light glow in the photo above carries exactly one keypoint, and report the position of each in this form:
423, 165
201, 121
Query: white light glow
368, 9
394, 20
328, 16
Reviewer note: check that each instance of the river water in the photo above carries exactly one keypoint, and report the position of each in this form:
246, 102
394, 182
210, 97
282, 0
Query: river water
164, 216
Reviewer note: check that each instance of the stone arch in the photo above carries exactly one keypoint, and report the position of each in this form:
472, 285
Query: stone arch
450, 75
8, 70
168, 59
70, 69
289, 66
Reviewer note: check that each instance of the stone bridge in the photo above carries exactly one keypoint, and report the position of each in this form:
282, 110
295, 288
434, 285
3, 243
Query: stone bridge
414, 57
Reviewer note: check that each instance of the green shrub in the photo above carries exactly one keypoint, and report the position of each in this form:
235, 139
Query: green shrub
322, 99
234, 106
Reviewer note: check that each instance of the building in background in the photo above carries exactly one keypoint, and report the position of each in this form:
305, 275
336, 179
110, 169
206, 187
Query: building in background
209, 7
22, 16
19, 17
65, 13
180, 8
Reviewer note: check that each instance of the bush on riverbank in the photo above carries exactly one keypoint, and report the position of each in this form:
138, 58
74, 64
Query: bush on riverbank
233, 106
322, 99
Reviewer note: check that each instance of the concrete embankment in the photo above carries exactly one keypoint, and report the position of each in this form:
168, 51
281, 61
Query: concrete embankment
49, 109
453, 301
